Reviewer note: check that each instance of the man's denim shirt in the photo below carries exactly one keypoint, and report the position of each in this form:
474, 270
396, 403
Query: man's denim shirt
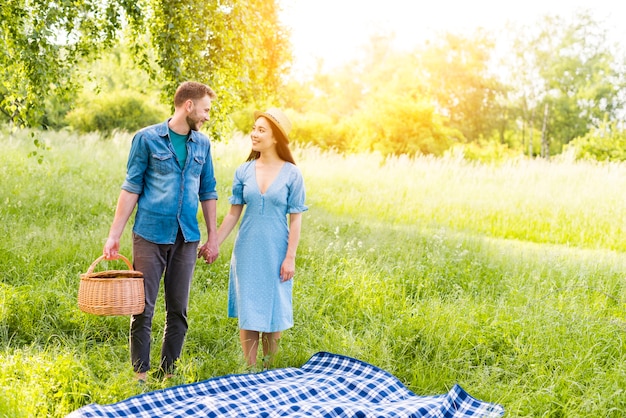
168, 195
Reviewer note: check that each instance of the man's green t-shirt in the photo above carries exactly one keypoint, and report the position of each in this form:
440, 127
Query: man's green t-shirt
179, 142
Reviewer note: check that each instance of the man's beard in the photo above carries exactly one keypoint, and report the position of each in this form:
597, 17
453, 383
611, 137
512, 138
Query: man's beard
193, 124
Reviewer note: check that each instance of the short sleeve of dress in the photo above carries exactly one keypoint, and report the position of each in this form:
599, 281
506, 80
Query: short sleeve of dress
237, 194
297, 193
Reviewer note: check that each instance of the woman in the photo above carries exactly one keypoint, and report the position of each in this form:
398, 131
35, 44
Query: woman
263, 262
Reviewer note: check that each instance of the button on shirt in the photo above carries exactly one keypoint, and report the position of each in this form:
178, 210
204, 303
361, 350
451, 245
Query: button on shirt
168, 195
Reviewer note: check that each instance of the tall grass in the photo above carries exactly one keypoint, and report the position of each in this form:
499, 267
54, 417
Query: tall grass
555, 202
507, 279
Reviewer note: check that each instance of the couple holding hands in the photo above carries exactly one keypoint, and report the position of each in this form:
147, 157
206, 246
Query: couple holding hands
170, 170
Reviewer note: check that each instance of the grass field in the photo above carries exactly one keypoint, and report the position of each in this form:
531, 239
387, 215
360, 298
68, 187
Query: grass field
507, 279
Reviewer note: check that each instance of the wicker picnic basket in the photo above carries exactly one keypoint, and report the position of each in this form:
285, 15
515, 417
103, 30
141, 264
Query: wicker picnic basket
111, 292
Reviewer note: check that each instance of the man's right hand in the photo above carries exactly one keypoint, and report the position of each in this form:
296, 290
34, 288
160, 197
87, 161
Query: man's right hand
111, 248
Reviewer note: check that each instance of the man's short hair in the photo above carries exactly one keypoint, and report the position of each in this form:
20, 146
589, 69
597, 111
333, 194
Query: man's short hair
191, 90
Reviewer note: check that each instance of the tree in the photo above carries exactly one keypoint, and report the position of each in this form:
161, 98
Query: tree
237, 47
567, 77
402, 124
397, 113
606, 143
42, 42
458, 75
380, 103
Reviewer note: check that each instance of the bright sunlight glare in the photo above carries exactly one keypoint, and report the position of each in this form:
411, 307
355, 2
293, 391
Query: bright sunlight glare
335, 31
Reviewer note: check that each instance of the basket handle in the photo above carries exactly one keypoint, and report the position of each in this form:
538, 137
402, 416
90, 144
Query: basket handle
117, 257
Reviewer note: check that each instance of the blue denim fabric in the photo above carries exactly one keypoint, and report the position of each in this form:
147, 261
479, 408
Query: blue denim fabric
168, 195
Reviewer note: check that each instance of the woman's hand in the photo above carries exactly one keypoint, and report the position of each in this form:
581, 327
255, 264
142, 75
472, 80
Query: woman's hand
209, 251
288, 269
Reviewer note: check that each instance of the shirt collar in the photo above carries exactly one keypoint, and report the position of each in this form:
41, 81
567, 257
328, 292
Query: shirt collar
163, 130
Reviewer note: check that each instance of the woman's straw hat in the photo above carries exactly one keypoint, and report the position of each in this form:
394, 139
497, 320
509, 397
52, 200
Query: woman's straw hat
278, 118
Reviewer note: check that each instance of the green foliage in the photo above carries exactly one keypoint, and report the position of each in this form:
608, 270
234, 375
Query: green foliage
483, 151
116, 95
243, 120
569, 77
116, 69
558, 78
457, 74
402, 125
42, 42
320, 130
420, 102
391, 125
238, 48
125, 110
608, 143
531, 89
381, 107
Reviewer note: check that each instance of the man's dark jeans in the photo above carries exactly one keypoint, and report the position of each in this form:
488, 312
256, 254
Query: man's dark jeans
177, 261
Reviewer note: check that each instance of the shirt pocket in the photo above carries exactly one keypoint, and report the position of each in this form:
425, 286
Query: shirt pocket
196, 166
163, 163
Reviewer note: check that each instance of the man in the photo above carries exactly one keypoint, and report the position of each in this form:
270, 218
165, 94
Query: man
169, 170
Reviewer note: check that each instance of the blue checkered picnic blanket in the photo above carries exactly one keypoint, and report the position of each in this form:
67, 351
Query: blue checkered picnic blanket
328, 385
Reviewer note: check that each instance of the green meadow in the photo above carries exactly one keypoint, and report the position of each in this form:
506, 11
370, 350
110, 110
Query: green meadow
506, 278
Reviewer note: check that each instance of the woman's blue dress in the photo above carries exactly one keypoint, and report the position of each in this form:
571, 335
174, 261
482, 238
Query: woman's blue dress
255, 293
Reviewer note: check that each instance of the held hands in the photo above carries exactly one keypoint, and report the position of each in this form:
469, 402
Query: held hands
209, 251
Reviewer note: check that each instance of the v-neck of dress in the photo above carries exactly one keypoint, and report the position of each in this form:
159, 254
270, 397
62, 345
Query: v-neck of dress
270, 184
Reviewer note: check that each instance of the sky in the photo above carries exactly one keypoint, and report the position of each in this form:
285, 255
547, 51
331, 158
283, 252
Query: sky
336, 30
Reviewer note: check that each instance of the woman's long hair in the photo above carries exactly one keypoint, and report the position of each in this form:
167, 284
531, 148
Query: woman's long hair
282, 147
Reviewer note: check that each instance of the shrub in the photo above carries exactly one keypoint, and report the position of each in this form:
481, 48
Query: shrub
320, 130
402, 125
115, 111
607, 143
243, 119
484, 151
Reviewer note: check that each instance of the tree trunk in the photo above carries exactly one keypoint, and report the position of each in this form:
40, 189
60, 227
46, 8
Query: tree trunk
531, 130
545, 145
